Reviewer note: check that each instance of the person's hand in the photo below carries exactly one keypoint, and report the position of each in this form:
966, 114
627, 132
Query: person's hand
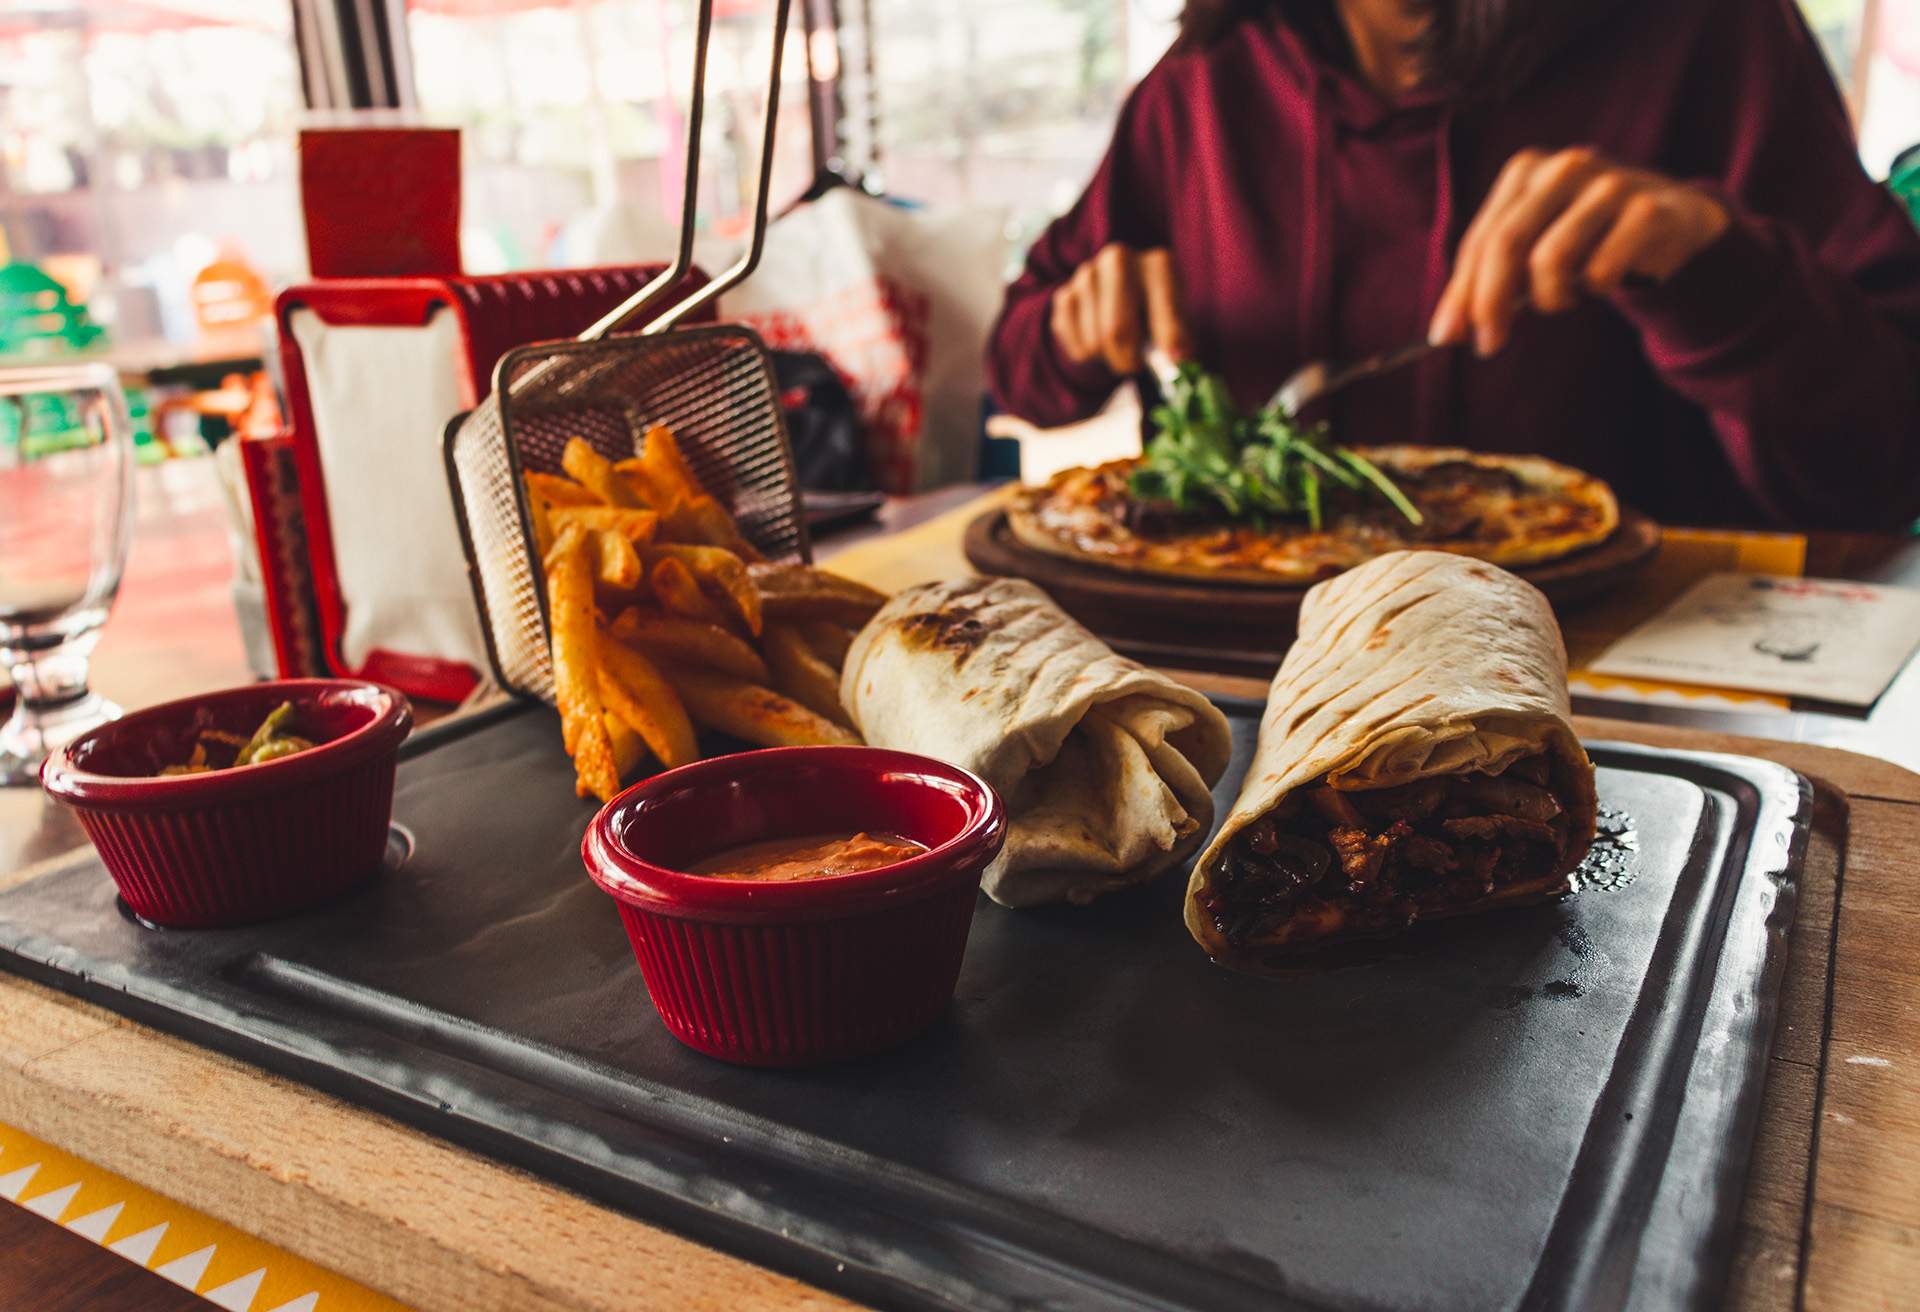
1557, 226
1116, 304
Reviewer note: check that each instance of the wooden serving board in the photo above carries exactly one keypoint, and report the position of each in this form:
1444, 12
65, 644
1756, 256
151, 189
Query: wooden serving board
1244, 628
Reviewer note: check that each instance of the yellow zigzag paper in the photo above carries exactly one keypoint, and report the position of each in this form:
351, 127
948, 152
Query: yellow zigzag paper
229, 1269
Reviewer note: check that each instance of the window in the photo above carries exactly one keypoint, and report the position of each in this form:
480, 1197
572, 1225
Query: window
1004, 102
139, 141
574, 115
1012, 102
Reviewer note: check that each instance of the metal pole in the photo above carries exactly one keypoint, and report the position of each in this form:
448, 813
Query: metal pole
825, 106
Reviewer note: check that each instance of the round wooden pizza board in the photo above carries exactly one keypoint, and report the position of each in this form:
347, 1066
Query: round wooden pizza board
1244, 628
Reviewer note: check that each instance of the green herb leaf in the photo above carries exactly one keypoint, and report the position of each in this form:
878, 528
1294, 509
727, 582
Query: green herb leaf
1371, 472
1208, 457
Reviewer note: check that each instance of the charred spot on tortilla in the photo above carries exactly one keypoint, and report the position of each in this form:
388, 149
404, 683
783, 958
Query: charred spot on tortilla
958, 629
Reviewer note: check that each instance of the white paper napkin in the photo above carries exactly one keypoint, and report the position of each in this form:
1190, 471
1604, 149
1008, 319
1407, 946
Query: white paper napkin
381, 400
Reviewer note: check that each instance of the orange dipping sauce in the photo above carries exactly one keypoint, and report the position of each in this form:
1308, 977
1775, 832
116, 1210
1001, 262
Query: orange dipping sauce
816, 856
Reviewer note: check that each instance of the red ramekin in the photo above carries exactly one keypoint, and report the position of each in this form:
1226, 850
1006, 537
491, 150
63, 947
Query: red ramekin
232, 846
793, 974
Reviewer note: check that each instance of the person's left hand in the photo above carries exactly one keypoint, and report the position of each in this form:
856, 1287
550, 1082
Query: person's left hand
1556, 226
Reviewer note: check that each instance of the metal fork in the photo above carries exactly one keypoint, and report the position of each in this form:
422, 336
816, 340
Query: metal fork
1317, 379
1311, 381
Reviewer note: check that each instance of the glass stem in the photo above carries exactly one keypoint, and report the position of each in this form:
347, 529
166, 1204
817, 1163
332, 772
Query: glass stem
51, 680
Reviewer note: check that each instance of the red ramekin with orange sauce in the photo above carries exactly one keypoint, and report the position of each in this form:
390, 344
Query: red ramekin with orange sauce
804, 970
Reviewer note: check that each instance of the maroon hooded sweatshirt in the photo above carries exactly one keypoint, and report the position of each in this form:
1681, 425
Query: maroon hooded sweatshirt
1776, 376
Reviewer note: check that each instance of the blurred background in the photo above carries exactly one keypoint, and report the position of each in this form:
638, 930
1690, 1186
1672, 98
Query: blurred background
149, 170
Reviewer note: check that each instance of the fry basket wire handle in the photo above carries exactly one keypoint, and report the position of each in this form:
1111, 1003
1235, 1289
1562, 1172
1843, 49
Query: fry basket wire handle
757, 242
712, 385
668, 278
749, 259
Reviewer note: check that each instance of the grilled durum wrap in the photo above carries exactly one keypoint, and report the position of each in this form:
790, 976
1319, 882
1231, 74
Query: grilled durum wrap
1415, 761
1104, 765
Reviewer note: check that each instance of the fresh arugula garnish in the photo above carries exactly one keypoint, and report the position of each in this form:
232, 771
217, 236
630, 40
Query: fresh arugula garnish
1207, 457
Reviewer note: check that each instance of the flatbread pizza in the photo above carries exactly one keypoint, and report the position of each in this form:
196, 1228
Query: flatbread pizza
1506, 509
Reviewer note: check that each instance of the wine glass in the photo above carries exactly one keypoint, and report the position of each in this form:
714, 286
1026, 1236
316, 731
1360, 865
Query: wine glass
66, 494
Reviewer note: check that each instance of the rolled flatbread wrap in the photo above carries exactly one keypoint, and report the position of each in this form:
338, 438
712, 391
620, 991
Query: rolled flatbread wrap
1415, 760
1106, 767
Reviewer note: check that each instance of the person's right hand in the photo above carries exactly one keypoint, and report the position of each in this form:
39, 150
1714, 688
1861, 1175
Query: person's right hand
1115, 305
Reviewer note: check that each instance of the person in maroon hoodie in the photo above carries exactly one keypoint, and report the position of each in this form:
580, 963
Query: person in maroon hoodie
1643, 221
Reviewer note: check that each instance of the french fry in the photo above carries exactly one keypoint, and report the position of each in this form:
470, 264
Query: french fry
540, 513
829, 641
635, 690
751, 713
593, 471
661, 477
798, 593
560, 491
679, 524
649, 523
800, 673
628, 749
637, 526
720, 568
575, 679
663, 467
722, 529
703, 520
615, 563
636, 480
675, 587
689, 642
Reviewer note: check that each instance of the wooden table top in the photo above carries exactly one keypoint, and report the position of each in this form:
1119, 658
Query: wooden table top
1832, 1217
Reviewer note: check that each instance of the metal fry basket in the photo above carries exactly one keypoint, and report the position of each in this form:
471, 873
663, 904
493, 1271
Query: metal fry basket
713, 386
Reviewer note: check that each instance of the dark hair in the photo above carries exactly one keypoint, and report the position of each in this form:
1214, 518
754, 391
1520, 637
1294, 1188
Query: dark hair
1477, 47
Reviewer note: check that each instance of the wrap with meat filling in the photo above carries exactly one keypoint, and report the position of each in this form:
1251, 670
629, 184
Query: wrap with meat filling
1106, 767
1416, 760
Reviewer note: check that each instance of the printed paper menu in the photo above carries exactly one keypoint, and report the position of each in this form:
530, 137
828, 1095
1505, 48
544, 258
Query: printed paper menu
1823, 638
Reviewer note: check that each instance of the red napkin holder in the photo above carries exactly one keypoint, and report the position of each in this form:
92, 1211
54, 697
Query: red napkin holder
289, 480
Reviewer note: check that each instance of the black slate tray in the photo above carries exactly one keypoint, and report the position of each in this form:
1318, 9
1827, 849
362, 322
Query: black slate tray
1543, 1108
